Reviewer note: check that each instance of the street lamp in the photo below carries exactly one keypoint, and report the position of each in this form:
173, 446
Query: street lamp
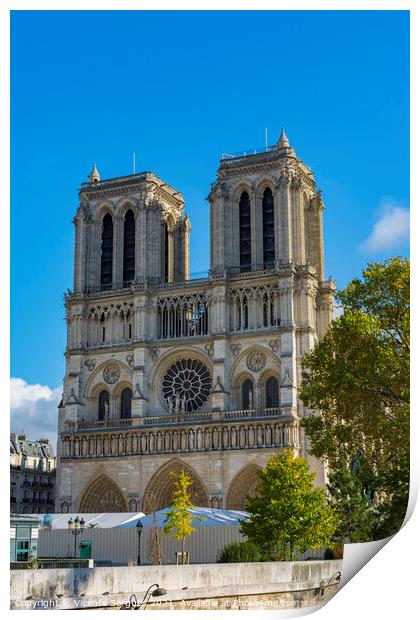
76, 527
158, 591
139, 527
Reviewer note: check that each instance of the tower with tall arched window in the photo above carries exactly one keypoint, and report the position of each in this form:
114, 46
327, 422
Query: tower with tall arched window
165, 372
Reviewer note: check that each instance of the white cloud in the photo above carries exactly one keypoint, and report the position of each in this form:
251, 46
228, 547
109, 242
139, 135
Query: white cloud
33, 409
337, 311
391, 230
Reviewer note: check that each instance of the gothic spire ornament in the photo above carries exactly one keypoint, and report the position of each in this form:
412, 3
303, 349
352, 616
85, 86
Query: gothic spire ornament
94, 176
283, 141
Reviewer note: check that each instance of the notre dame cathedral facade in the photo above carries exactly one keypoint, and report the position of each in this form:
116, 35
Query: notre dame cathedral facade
165, 372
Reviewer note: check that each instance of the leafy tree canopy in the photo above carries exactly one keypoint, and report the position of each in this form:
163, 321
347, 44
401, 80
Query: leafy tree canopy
179, 518
288, 513
357, 381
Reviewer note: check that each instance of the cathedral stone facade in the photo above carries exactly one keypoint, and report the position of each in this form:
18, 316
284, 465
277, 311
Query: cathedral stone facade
164, 372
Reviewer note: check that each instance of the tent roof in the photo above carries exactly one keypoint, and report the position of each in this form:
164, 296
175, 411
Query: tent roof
212, 516
100, 519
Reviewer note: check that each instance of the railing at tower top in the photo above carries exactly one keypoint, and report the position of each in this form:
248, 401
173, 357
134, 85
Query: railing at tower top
175, 419
265, 149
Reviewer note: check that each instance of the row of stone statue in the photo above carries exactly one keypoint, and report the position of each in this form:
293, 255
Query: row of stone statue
177, 404
185, 440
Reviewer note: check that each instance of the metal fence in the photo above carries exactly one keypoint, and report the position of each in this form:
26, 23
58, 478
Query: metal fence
119, 546
52, 563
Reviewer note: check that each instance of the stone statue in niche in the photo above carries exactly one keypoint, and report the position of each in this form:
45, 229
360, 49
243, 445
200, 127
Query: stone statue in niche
250, 400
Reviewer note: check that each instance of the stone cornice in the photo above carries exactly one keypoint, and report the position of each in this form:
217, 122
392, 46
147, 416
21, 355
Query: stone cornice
132, 184
251, 165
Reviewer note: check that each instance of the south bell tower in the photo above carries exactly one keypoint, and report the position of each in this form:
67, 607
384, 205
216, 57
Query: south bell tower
266, 212
164, 372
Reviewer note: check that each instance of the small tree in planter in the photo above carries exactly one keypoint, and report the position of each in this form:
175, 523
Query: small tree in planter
288, 513
179, 519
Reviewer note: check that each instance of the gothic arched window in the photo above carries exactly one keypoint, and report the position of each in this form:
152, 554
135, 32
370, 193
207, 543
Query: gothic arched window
247, 394
268, 227
106, 251
129, 247
244, 232
103, 405
125, 404
271, 393
166, 252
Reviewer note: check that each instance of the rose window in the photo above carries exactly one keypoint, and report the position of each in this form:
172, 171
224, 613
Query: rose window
186, 386
256, 361
112, 373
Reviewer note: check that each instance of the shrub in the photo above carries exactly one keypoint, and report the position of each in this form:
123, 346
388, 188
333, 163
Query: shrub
245, 551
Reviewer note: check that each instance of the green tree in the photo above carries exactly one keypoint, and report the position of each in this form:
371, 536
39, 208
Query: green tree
350, 496
357, 381
288, 514
179, 518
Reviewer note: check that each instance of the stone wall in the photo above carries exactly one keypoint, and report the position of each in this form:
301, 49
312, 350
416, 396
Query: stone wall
292, 584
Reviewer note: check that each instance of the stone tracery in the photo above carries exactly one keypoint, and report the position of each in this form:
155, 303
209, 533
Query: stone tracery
186, 385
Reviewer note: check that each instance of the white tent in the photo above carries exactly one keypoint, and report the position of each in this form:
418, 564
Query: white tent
211, 516
92, 519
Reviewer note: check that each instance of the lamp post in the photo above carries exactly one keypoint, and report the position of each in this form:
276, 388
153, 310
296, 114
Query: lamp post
139, 527
76, 527
158, 591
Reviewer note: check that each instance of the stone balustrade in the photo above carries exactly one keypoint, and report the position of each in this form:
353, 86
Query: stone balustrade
205, 435
178, 419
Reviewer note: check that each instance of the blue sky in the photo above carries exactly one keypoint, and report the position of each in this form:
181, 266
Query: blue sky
179, 89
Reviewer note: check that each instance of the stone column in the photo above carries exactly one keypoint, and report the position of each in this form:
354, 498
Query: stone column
139, 403
288, 382
217, 229
94, 255
185, 249
325, 307
154, 242
220, 397
141, 245
298, 250
284, 237
171, 255
317, 234
80, 248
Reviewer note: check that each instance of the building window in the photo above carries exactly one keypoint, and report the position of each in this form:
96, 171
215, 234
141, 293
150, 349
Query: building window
271, 393
166, 251
247, 394
102, 327
103, 405
129, 247
186, 386
244, 232
125, 406
268, 228
106, 252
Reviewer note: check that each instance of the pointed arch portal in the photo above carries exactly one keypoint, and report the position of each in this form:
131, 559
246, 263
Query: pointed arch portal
103, 495
159, 491
244, 484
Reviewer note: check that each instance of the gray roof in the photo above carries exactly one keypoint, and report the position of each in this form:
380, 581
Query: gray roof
28, 447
